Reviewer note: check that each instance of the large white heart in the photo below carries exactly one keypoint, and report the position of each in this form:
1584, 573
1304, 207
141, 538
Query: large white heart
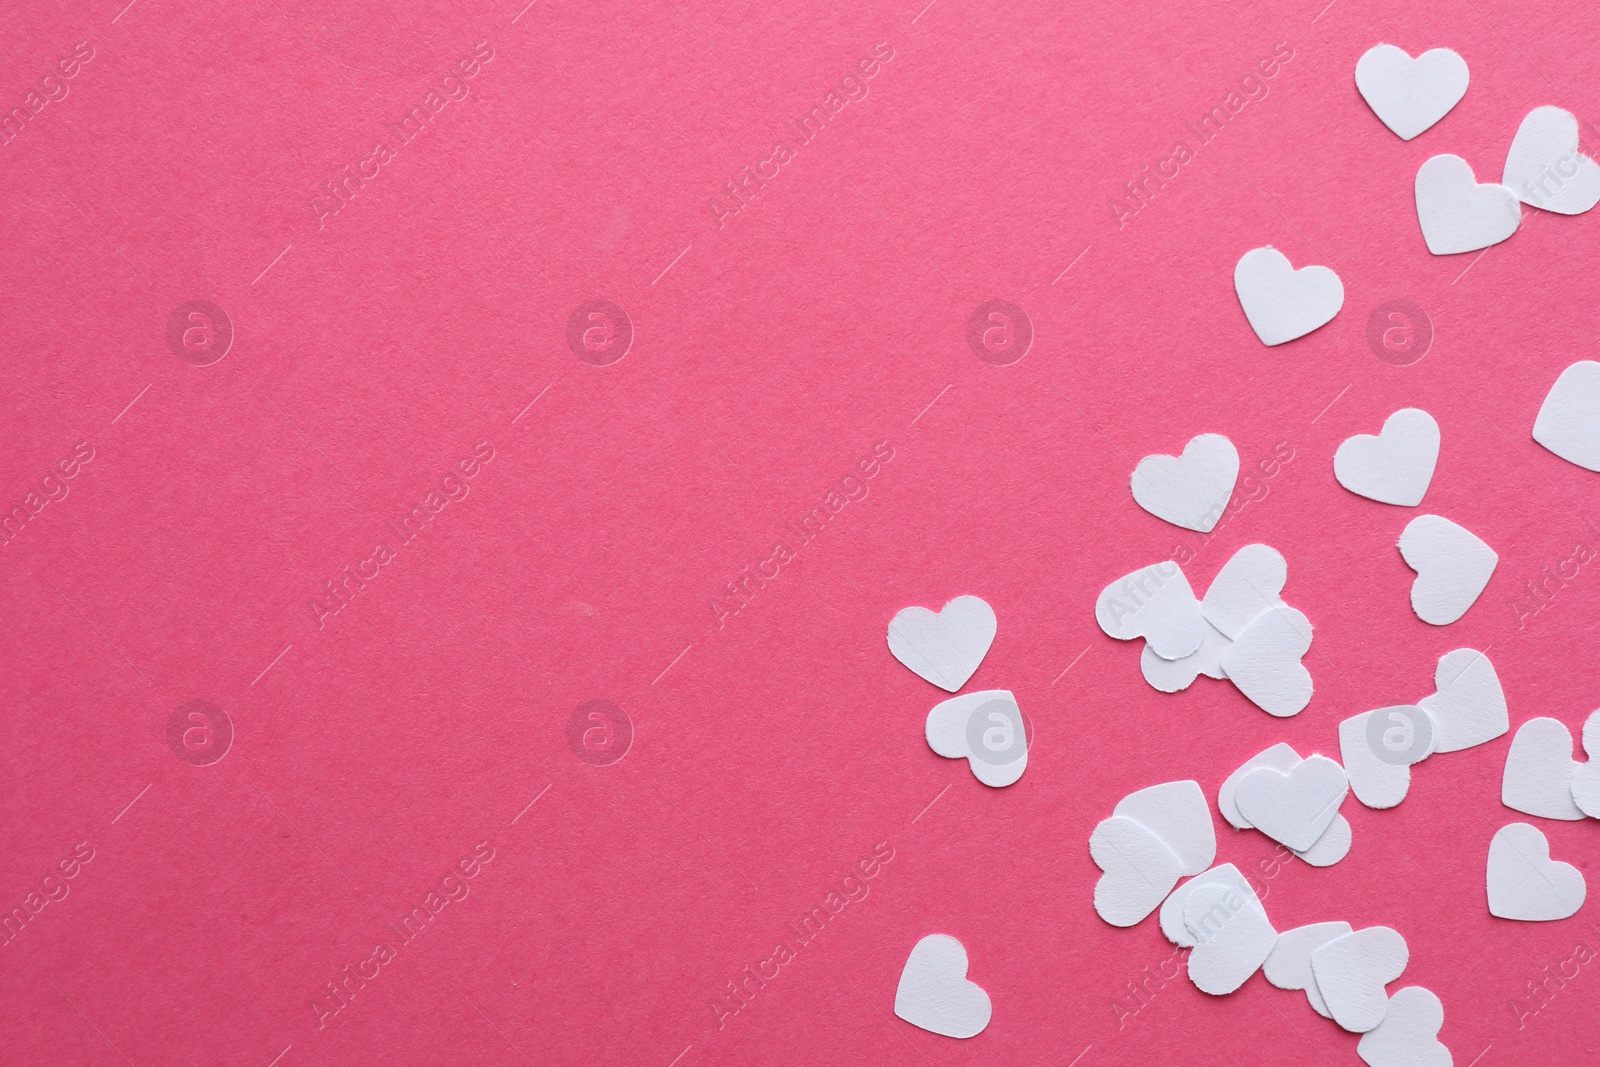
946, 646
1295, 807
1544, 167
1157, 604
1409, 95
986, 728
1453, 565
1394, 467
1569, 419
1232, 938
1140, 870
1283, 303
1264, 663
1459, 215
1289, 964
1191, 490
934, 993
1525, 883
1539, 771
1352, 970
1409, 1033
1469, 707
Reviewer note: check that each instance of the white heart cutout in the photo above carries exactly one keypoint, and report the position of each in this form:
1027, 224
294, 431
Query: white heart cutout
986, 729
1140, 870
943, 647
1409, 95
1173, 675
1378, 756
1232, 938
1453, 565
1469, 707
1248, 584
1157, 604
1569, 419
1546, 170
1172, 924
934, 993
1177, 813
1264, 663
1289, 965
1395, 466
1295, 807
1409, 1033
1525, 883
1456, 213
1352, 970
1279, 757
1280, 302
1586, 779
1191, 490
1539, 771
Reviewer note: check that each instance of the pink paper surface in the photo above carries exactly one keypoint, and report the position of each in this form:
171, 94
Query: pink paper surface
381, 350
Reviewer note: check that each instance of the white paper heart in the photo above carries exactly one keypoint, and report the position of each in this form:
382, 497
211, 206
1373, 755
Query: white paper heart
946, 646
1140, 870
1296, 807
986, 729
1232, 939
1331, 847
1539, 771
1379, 777
1227, 875
1289, 964
934, 993
1177, 813
1396, 465
1525, 883
1280, 302
1453, 565
1409, 1033
1191, 490
1544, 167
1264, 663
1154, 603
1469, 707
1586, 779
1569, 419
1409, 95
1172, 675
1352, 970
1279, 757
1248, 584
1459, 215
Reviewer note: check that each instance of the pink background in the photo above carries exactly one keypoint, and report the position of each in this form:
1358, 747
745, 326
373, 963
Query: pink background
774, 752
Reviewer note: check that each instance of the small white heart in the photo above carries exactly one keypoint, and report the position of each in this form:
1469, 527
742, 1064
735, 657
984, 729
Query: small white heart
1280, 302
1569, 419
1279, 757
946, 646
1544, 167
1352, 970
1232, 938
1248, 584
1140, 870
1469, 707
1191, 490
1410, 95
1409, 1033
1456, 213
1453, 565
1295, 807
1289, 965
1394, 467
1378, 777
1264, 663
934, 993
1525, 883
987, 729
1157, 604
1539, 771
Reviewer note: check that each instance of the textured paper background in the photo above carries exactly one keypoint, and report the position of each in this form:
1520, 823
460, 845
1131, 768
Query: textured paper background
771, 353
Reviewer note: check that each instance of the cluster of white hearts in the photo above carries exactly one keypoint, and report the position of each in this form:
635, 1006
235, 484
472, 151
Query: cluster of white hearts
1544, 169
1240, 631
1158, 835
